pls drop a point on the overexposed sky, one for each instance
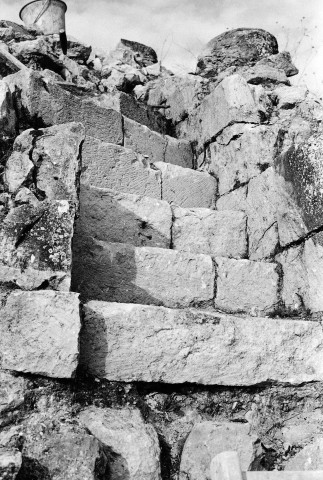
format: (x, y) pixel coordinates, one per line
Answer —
(178, 29)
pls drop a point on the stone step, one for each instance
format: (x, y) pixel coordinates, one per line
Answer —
(42, 103)
(157, 147)
(107, 165)
(118, 272)
(142, 221)
(126, 342)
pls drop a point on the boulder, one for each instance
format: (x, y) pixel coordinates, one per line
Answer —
(107, 165)
(239, 47)
(201, 230)
(186, 188)
(141, 343)
(208, 439)
(289, 97)
(122, 217)
(132, 53)
(226, 157)
(131, 445)
(246, 287)
(62, 453)
(232, 101)
(280, 61)
(118, 272)
(39, 333)
(10, 463)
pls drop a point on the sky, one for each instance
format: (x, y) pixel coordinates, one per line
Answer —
(178, 29)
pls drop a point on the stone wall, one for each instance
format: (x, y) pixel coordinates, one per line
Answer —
(161, 261)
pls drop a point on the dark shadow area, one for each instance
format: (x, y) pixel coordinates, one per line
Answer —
(32, 469)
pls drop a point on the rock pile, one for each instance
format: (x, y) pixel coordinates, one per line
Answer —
(161, 269)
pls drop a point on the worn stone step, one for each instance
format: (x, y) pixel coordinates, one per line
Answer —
(157, 147)
(202, 230)
(122, 273)
(122, 217)
(106, 165)
(124, 342)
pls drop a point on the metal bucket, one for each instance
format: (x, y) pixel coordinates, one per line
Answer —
(49, 16)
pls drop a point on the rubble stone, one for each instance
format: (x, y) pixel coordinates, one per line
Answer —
(208, 439)
(140, 343)
(132, 444)
(39, 333)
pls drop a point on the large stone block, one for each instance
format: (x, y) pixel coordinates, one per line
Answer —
(123, 342)
(187, 188)
(201, 230)
(208, 439)
(232, 101)
(179, 152)
(122, 217)
(235, 200)
(240, 153)
(302, 267)
(274, 217)
(141, 139)
(122, 273)
(39, 333)
(133, 444)
(107, 165)
(246, 287)
(42, 103)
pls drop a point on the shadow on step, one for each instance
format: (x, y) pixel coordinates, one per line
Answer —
(107, 231)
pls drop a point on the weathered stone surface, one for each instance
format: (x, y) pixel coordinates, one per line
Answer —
(132, 444)
(246, 287)
(179, 152)
(12, 396)
(120, 217)
(239, 47)
(197, 347)
(302, 268)
(208, 439)
(264, 75)
(7, 112)
(140, 139)
(235, 200)
(18, 169)
(273, 215)
(230, 102)
(289, 97)
(187, 188)
(240, 153)
(130, 108)
(36, 245)
(280, 61)
(44, 103)
(10, 463)
(302, 429)
(13, 31)
(111, 166)
(310, 458)
(201, 230)
(133, 53)
(123, 273)
(181, 93)
(39, 333)
(63, 454)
